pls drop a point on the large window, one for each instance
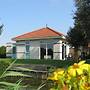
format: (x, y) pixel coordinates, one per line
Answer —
(27, 51)
(43, 51)
(50, 51)
(14, 51)
(46, 51)
(27, 42)
(27, 48)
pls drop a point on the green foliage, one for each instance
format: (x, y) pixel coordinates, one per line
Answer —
(2, 52)
(1, 28)
(75, 77)
(79, 35)
(3, 65)
(6, 85)
(76, 37)
(56, 63)
(82, 16)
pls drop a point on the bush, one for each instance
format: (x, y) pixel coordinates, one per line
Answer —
(3, 65)
(56, 63)
(2, 52)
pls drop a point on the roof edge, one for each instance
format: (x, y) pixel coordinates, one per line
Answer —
(58, 37)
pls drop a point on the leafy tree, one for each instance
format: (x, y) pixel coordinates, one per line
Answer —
(82, 16)
(79, 35)
(3, 48)
(76, 37)
(1, 28)
(2, 52)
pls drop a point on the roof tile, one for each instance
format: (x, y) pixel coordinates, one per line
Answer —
(41, 33)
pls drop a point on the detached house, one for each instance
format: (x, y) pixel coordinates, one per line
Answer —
(44, 43)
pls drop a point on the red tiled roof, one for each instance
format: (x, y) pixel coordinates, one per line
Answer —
(41, 33)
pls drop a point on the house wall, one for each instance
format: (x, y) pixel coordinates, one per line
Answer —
(34, 49)
(9, 49)
(20, 51)
(57, 50)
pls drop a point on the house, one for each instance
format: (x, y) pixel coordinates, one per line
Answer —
(44, 43)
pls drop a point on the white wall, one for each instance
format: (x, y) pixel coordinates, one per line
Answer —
(67, 49)
(35, 50)
(20, 51)
(9, 48)
(57, 49)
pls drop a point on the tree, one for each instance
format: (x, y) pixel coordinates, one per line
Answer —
(1, 28)
(76, 37)
(2, 52)
(82, 16)
(79, 35)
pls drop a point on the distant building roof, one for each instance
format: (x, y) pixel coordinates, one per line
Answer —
(39, 34)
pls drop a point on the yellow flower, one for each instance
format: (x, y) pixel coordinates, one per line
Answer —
(77, 68)
(56, 75)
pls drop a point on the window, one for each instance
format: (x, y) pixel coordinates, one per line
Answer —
(27, 52)
(27, 42)
(43, 50)
(63, 51)
(27, 48)
(14, 50)
(50, 50)
(46, 51)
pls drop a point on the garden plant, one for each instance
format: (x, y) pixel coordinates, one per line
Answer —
(75, 77)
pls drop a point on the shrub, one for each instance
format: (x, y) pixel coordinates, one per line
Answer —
(2, 52)
(3, 65)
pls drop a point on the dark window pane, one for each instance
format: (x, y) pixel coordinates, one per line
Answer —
(43, 50)
(27, 48)
(27, 42)
(14, 50)
(50, 50)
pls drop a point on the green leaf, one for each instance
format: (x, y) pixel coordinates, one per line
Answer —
(13, 73)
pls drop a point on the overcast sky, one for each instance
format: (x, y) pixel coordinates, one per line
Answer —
(21, 16)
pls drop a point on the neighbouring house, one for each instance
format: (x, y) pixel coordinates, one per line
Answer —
(44, 43)
(11, 50)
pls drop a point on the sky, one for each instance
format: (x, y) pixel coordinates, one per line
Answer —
(22, 16)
